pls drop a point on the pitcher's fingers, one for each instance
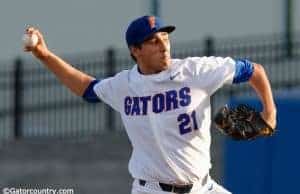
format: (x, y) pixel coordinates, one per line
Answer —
(40, 36)
(26, 49)
(38, 33)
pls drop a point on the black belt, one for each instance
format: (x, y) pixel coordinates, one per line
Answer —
(171, 188)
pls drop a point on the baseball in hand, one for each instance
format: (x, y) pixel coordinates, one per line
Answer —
(30, 40)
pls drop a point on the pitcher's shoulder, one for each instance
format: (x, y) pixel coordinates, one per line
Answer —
(190, 60)
(188, 64)
(123, 73)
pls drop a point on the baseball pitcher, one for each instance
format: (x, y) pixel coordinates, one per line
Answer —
(165, 105)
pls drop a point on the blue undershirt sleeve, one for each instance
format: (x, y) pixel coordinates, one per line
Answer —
(89, 94)
(243, 71)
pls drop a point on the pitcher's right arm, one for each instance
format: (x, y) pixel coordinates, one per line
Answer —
(77, 81)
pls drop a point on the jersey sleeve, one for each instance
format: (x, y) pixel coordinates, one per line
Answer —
(243, 71)
(214, 72)
(89, 94)
(107, 91)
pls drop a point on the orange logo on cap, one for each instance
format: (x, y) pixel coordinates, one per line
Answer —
(151, 21)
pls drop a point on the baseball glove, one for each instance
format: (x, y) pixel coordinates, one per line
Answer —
(242, 123)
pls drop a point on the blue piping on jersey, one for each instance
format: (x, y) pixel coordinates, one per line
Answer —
(89, 93)
(243, 71)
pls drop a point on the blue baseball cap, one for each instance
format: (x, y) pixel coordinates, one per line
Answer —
(143, 27)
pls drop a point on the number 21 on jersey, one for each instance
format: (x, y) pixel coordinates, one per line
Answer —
(187, 122)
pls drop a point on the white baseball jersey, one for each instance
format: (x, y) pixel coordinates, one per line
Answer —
(167, 116)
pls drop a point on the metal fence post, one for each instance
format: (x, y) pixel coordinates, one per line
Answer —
(209, 45)
(209, 50)
(155, 7)
(289, 28)
(18, 98)
(110, 71)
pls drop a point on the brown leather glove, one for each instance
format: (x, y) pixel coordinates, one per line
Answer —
(242, 123)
